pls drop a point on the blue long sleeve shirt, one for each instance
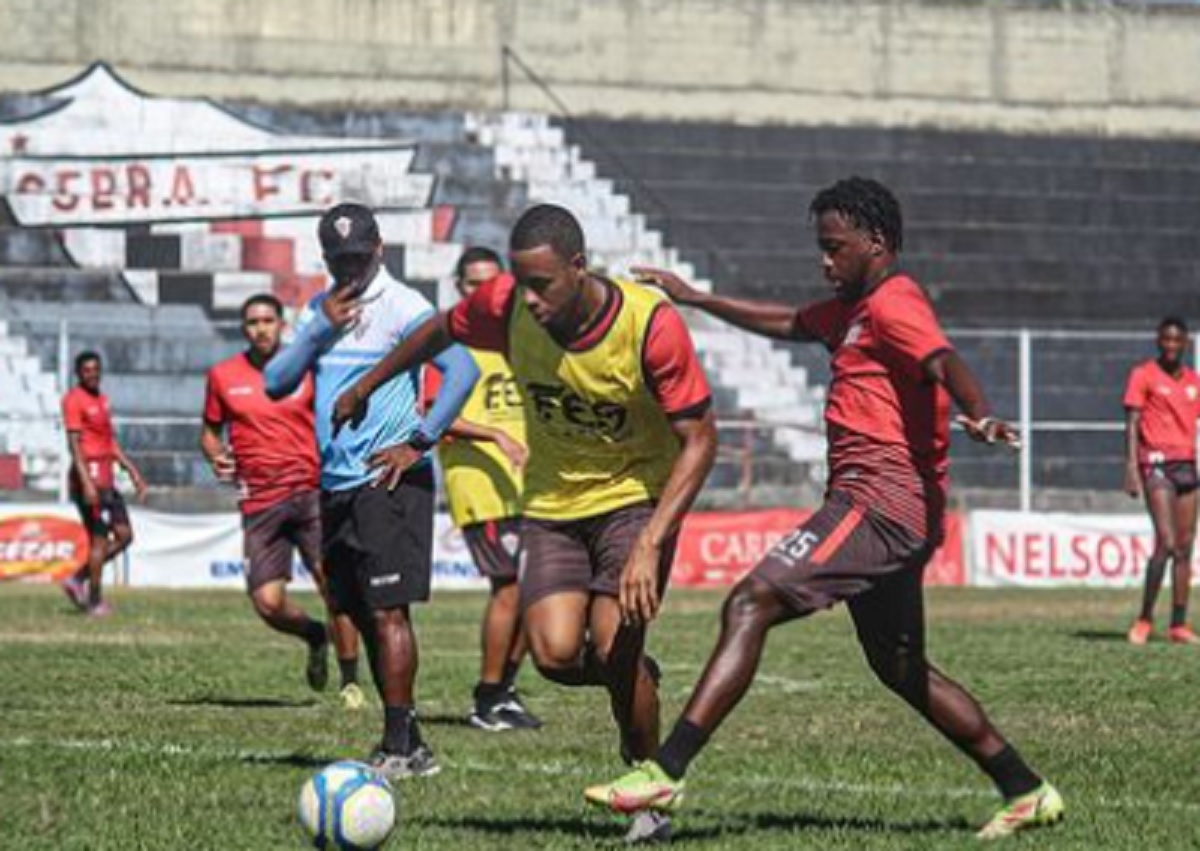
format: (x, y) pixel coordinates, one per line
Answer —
(391, 311)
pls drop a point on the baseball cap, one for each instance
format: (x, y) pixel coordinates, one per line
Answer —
(348, 229)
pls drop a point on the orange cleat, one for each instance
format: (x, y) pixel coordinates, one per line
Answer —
(1140, 632)
(1182, 634)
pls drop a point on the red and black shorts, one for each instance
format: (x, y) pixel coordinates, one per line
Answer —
(272, 535)
(1178, 476)
(839, 554)
(495, 546)
(100, 519)
(585, 555)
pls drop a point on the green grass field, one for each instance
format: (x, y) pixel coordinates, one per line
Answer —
(182, 723)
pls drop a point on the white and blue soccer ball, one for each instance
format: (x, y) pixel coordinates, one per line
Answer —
(347, 806)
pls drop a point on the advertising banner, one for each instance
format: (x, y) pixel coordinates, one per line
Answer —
(1031, 550)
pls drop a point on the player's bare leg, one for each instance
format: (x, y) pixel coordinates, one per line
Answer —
(403, 752)
(272, 604)
(1160, 502)
(633, 692)
(556, 627)
(97, 558)
(1181, 576)
(345, 641)
(497, 705)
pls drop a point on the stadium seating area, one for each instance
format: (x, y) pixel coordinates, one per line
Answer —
(1007, 232)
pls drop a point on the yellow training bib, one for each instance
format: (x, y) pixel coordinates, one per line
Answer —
(480, 482)
(598, 440)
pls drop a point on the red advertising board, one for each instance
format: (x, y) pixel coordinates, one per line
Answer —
(40, 546)
(717, 548)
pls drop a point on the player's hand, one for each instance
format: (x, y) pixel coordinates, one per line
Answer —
(991, 431)
(680, 291)
(515, 451)
(224, 467)
(91, 496)
(391, 464)
(351, 407)
(139, 486)
(638, 595)
(1133, 481)
(342, 307)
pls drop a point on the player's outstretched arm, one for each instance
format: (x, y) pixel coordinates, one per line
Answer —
(949, 370)
(1133, 480)
(697, 436)
(777, 321)
(459, 374)
(430, 339)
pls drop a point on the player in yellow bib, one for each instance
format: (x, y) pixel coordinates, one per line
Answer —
(483, 461)
(621, 436)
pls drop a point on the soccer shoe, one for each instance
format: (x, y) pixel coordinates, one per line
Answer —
(100, 610)
(648, 828)
(352, 697)
(317, 669)
(394, 766)
(76, 592)
(1040, 808)
(647, 787)
(1140, 632)
(506, 713)
(1182, 634)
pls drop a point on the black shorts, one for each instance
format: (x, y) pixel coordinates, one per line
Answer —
(273, 534)
(585, 555)
(110, 512)
(840, 553)
(1179, 476)
(378, 544)
(495, 547)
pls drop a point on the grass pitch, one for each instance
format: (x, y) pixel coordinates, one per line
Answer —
(182, 723)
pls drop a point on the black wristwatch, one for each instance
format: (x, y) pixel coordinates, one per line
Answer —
(421, 443)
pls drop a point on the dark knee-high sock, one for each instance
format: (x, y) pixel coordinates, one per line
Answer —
(1156, 567)
(1010, 773)
(681, 747)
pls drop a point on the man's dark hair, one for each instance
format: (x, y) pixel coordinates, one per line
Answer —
(548, 224)
(475, 254)
(86, 357)
(1173, 322)
(262, 298)
(866, 204)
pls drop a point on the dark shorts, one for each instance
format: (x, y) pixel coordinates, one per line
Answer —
(100, 520)
(271, 536)
(1179, 476)
(378, 544)
(840, 553)
(585, 555)
(495, 546)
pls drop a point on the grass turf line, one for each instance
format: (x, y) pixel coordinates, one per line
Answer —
(182, 722)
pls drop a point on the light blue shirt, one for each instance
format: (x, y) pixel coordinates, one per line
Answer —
(391, 311)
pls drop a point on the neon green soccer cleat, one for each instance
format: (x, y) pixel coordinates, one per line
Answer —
(647, 787)
(352, 697)
(1040, 808)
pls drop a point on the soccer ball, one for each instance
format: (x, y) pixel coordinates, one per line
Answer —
(346, 806)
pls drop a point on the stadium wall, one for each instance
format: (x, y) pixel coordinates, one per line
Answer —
(1089, 66)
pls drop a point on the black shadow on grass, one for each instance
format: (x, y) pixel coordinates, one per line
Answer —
(243, 702)
(291, 760)
(1099, 635)
(728, 824)
(444, 720)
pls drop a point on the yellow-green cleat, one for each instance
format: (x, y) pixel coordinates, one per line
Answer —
(647, 787)
(1040, 808)
(352, 697)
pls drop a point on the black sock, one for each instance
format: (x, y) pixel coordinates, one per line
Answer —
(681, 747)
(400, 732)
(1155, 569)
(349, 670)
(1178, 615)
(94, 595)
(489, 692)
(510, 674)
(315, 634)
(1010, 773)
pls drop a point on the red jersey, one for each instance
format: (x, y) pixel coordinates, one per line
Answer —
(888, 425)
(274, 443)
(669, 363)
(1169, 406)
(89, 415)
